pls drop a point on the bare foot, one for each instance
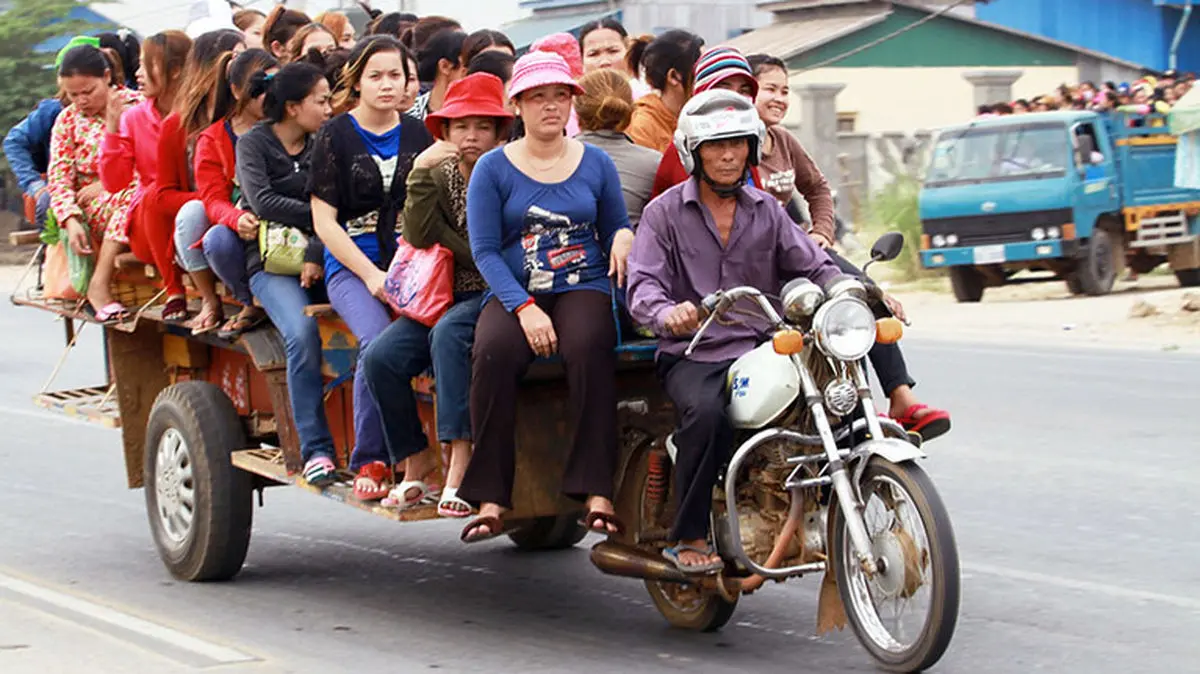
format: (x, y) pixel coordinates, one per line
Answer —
(601, 505)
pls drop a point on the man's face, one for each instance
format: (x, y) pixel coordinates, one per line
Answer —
(724, 161)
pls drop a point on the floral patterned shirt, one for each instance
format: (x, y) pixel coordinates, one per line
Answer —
(75, 156)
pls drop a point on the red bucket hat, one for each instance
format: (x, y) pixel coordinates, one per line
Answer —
(476, 95)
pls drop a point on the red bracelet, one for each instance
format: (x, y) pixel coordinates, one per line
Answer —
(525, 305)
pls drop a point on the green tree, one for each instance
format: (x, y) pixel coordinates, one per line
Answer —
(26, 75)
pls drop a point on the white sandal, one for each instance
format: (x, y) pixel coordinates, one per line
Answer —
(449, 500)
(426, 495)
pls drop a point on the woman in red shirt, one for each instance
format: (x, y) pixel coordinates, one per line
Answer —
(216, 184)
(174, 219)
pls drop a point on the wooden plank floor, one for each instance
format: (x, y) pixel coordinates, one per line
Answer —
(268, 462)
(96, 404)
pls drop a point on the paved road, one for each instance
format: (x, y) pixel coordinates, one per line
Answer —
(1068, 477)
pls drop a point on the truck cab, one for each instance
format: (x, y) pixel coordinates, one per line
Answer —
(1073, 193)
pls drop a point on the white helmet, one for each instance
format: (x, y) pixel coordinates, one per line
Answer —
(718, 114)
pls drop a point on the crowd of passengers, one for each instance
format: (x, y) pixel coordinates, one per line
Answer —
(648, 171)
(1148, 95)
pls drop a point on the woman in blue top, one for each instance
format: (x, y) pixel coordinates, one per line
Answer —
(548, 228)
(360, 164)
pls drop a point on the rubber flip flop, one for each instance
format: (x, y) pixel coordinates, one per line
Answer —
(589, 523)
(672, 555)
(493, 523)
(932, 425)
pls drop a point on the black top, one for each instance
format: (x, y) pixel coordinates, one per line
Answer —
(346, 177)
(275, 185)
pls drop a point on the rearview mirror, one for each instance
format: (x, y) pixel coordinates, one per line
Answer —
(887, 247)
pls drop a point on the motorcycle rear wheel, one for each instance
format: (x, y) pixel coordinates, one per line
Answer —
(916, 541)
(683, 606)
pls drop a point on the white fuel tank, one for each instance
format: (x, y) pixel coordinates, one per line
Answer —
(762, 385)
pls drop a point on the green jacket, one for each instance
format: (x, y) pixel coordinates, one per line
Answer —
(430, 214)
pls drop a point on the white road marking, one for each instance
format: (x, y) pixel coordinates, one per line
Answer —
(215, 653)
(1178, 601)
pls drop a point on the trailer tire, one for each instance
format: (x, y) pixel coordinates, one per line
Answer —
(199, 505)
(1188, 278)
(1103, 257)
(549, 533)
(967, 283)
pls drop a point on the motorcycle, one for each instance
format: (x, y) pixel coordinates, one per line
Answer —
(817, 482)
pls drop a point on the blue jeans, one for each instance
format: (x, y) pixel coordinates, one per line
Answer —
(367, 318)
(404, 351)
(284, 301)
(226, 256)
(191, 223)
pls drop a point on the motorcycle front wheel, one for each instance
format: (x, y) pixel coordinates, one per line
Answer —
(905, 614)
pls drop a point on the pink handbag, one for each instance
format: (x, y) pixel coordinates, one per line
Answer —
(420, 282)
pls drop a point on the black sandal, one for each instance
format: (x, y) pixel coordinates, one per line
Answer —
(494, 524)
(175, 310)
(606, 520)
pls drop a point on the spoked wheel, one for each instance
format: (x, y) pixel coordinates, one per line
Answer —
(906, 613)
(684, 606)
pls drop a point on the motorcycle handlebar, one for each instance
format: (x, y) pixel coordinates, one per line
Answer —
(717, 303)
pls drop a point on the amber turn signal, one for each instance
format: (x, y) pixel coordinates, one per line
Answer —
(887, 330)
(788, 342)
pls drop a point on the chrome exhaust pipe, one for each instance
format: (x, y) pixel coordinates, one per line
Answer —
(621, 560)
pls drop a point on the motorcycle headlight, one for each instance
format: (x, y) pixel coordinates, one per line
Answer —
(801, 297)
(845, 328)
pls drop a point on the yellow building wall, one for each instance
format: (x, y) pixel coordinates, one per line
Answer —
(912, 99)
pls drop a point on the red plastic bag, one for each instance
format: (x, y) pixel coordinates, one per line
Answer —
(420, 282)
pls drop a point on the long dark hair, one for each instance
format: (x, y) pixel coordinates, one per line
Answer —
(88, 60)
(345, 97)
(446, 45)
(128, 52)
(236, 88)
(200, 94)
(676, 50)
(292, 84)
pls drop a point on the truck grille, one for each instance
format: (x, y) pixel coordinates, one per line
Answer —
(977, 230)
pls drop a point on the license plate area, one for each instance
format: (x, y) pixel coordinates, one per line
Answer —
(989, 254)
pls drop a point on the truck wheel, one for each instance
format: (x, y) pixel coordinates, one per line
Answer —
(200, 506)
(967, 283)
(1188, 278)
(1103, 257)
(550, 533)
(1074, 284)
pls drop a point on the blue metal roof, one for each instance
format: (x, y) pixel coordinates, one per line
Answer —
(1139, 31)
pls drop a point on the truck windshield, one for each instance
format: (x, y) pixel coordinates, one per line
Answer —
(998, 153)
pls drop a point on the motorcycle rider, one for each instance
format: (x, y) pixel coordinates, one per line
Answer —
(711, 232)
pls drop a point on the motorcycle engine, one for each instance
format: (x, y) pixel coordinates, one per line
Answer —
(763, 506)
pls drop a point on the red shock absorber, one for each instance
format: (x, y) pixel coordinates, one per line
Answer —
(656, 481)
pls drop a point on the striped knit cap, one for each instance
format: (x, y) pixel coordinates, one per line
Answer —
(719, 64)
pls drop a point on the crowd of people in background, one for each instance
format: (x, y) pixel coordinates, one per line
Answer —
(1148, 95)
(288, 158)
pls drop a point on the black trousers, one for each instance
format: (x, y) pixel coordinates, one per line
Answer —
(887, 358)
(703, 440)
(587, 340)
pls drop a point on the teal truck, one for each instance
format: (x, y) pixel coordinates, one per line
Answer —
(1076, 194)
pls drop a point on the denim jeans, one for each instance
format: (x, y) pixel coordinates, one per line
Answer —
(226, 256)
(366, 317)
(284, 301)
(405, 350)
(191, 223)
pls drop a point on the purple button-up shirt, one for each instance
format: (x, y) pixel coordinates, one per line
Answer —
(678, 257)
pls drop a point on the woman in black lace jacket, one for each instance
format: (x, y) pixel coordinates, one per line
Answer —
(361, 160)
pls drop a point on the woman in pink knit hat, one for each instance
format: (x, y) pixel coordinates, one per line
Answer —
(549, 233)
(566, 46)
